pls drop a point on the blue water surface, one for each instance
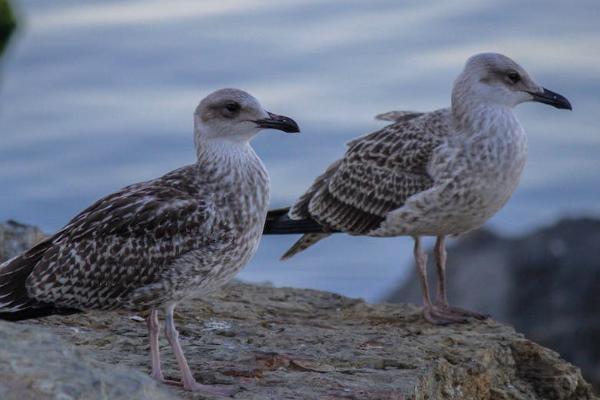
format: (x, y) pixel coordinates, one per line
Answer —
(96, 95)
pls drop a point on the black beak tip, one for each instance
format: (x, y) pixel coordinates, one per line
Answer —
(567, 105)
(553, 99)
(560, 101)
(279, 122)
(292, 126)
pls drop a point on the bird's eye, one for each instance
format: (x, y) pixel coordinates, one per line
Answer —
(232, 107)
(513, 76)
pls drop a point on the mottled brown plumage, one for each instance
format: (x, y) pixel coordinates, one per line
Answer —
(155, 243)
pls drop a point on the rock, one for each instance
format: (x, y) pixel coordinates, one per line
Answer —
(37, 364)
(546, 284)
(284, 343)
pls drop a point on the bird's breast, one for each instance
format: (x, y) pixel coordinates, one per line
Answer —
(244, 199)
(482, 176)
(241, 199)
(471, 183)
(474, 175)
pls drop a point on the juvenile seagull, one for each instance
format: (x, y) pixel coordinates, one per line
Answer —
(152, 244)
(429, 174)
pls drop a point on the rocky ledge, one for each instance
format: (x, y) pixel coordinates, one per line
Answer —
(283, 343)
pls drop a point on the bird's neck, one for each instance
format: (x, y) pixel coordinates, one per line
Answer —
(236, 176)
(475, 118)
(225, 154)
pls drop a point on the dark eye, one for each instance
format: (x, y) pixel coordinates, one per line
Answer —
(232, 107)
(513, 76)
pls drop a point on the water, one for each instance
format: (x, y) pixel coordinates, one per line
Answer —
(100, 94)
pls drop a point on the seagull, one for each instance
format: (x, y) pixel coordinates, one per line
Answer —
(438, 173)
(152, 244)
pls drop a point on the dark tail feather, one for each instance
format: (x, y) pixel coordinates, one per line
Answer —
(29, 313)
(15, 303)
(278, 223)
(304, 243)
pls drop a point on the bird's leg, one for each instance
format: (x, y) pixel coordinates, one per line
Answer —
(441, 301)
(440, 262)
(187, 379)
(153, 330)
(421, 262)
(432, 312)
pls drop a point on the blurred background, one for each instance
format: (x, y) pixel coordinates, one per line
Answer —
(95, 95)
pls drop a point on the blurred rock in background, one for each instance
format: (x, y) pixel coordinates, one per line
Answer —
(15, 238)
(546, 284)
(8, 24)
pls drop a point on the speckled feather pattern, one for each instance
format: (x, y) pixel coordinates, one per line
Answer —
(376, 175)
(159, 241)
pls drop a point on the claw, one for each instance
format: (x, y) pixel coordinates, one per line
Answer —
(439, 314)
(170, 382)
(213, 390)
(467, 313)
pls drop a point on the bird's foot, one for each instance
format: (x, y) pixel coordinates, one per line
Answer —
(441, 314)
(466, 313)
(160, 378)
(171, 382)
(211, 390)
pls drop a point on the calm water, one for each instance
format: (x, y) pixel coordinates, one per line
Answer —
(100, 94)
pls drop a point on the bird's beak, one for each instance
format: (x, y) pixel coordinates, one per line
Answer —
(549, 97)
(278, 122)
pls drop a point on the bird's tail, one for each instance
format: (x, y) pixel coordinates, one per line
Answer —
(304, 243)
(15, 302)
(279, 223)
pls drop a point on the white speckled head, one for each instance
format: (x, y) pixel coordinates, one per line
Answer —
(235, 115)
(496, 80)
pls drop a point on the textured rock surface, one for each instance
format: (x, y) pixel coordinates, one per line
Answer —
(36, 364)
(546, 284)
(282, 343)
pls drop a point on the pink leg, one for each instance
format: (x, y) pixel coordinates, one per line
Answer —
(442, 298)
(440, 258)
(421, 262)
(432, 312)
(188, 380)
(153, 330)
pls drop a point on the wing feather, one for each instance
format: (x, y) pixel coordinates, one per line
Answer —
(398, 116)
(121, 243)
(378, 173)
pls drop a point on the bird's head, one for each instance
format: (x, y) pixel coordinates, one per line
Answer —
(494, 79)
(235, 115)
